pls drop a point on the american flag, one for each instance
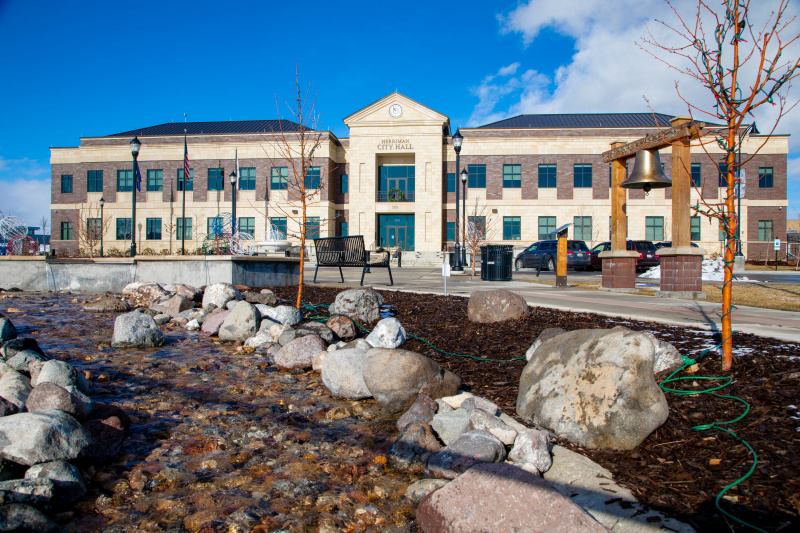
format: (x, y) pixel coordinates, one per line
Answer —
(186, 173)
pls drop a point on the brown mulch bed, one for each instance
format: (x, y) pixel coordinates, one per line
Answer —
(676, 469)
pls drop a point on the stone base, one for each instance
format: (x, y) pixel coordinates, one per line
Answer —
(684, 295)
(619, 270)
(628, 289)
(681, 273)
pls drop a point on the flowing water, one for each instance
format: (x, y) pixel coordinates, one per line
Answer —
(220, 440)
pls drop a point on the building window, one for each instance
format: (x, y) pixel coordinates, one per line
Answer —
(216, 179)
(547, 225)
(123, 229)
(694, 228)
(189, 182)
(312, 178)
(124, 180)
(765, 177)
(723, 174)
(279, 223)
(582, 228)
(66, 231)
(476, 228)
(511, 229)
(66, 183)
(312, 227)
(215, 225)
(583, 175)
(395, 178)
(94, 228)
(184, 228)
(279, 179)
(153, 229)
(342, 229)
(654, 228)
(247, 179)
(344, 183)
(155, 180)
(697, 175)
(451, 232)
(94, 181)
(512, 176)
(247, 225)
(451, 182)
(547, 176)
(765, 230)
(477, 176)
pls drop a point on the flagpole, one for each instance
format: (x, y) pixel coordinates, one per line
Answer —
(183, 208)
(135, 145)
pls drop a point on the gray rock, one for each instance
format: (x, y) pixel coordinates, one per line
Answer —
(162, 319)
(546, 334)
(283, 314)
(358, 344)
(66, 477)
(143, 293)
(480, 419)
(189, 292)
(362, 303)
(21, 360)
(419, 489)
(414, 446)
(444, 407)
(230, 305)
(198, 314)
(489, 306)
(595, 388)
(214, 321)
(136, 330)
(31, 438)
(107, 304)
(267, 298)
(22, 518)
(396, 377)
(220, 294)
(192, 325)
(476, 402)
(388, 333)
(173, 306)
(287, 336)
(422, 410)
(64, 374)
(667, 357)
(315, 328)
(532, 447)
(14, 387)
(342, 374)
(7, 330)
(469, 449)
(299, 353)
(242, 322)
(10, 348)
(262, 339)
(7, 408)
(448, 425)
(502, 497)
(46, 396)
(27, 491)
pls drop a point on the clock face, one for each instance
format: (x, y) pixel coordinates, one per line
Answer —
(395, 110)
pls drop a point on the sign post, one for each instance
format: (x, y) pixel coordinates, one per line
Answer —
(445, 273)
(777, 249)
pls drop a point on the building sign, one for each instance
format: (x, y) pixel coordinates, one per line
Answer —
(395, 144)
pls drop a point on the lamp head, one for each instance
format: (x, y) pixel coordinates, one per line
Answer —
(102, 202)
(457, 140)
(233, 177)
(135, 145)
(464, 175)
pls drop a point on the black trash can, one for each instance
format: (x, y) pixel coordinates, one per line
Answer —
(496, 262)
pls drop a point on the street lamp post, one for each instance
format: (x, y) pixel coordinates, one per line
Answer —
(135, 145)
(233, 201)
(464, 175)
(140, 233)
(749, 129)
(457, 140)
(102, 225)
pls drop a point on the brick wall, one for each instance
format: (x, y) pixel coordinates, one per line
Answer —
(756, 250)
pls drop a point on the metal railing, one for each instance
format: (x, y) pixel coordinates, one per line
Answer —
(383, 196)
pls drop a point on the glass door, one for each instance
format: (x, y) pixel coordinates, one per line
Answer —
(396, 231)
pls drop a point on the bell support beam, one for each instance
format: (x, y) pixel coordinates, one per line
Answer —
(619, 264)
(660, 140)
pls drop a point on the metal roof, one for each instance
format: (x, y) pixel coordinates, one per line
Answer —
(214, 128)
(583, 120)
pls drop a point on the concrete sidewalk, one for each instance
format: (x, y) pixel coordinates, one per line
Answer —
(783, 325)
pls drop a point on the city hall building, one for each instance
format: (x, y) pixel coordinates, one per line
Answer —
(393, 180)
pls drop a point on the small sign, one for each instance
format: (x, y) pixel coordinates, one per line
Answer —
(446, 269)
(777, 244)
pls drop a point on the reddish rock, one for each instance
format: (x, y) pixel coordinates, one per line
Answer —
(189, 292)
(143, 293)
(51, 396)
(299, 353)
(342, 327)
(214, 321)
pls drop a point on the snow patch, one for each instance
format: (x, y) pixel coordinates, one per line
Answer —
(712, 270)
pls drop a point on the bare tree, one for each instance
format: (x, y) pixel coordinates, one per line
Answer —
(743, 66)
(479, 229)
(44, 223)
(88, 228)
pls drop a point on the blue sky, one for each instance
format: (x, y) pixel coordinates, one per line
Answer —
(95, 67)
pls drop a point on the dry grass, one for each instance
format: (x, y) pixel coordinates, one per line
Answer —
(765, 295)
(771, 267)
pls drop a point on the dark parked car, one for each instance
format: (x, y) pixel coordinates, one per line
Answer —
(648, 254)
(668, 244)
(533, 255)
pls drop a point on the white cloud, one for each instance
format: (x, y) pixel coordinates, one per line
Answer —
(25, 185)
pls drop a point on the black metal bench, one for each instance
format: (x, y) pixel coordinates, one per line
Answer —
(348, 252)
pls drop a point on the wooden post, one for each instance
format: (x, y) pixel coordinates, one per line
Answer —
(619, 264)
(681, 188)
(561, 260)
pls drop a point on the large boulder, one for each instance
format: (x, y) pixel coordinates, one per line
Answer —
(342, 374)
(65, 476)
(388, 333)
(241, 323)
(545, 335)
(136, 330)
(10, 348)
(22, 360)
(63, 374)
(486, 307)
(7, 330)
(143, 293)
(189, 292)
(362, 303)
(46, 396)
(594, 387)
(172, 306)
(396, 377)
(214, 321)
(107, 304)
(264, 298)
(28, 491)
(14, 387)
(501, 497)
(283, 314)
(471, 448)
(220, 294)
(299, 353)
(25, 518)
(32, 438)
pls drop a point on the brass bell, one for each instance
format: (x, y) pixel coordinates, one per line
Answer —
(647, 173)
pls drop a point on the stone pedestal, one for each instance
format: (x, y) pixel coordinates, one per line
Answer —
(738, 264)
(619, 270)
(681, 272)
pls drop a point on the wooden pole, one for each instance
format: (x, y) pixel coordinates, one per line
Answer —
(619, 199)
(681, 188)
(561, 260)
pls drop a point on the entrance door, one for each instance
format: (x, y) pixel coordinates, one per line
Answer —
(396, 230)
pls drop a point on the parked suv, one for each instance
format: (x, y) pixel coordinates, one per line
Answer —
(648, 254)
(533, 255)
(668, 244)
